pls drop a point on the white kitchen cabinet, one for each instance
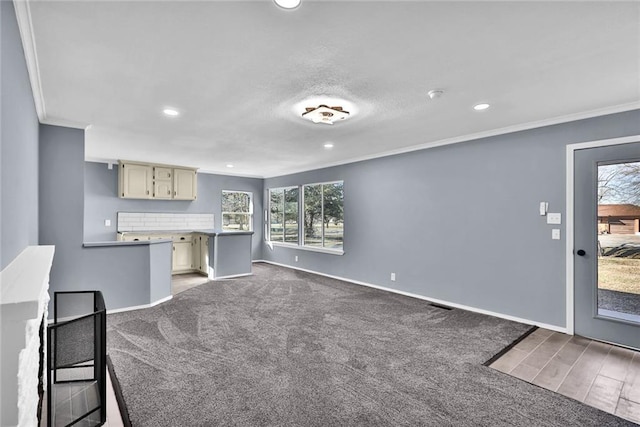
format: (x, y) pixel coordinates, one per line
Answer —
(184, 184)
(204, 254)
(195, 251)
(162, 183)
(135, 181)
(182, 256)
(201, 253)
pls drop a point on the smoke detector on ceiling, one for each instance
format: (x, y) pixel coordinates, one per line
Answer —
(325, 114)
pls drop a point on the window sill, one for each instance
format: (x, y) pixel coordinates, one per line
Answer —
(306, 248)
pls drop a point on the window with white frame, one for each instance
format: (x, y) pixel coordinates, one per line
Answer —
(237, 210)
(323, 215)
(283, 215)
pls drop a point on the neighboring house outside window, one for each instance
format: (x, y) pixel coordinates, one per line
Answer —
(237, 211)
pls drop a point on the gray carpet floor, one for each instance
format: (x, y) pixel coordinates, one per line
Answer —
(286, 348)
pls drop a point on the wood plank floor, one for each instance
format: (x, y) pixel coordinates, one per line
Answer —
(597, 374)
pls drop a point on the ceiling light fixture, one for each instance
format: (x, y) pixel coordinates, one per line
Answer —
(480, 107)
(328, 145)
(288, 4)
(229, 165)
(170, 112)
(325, 114)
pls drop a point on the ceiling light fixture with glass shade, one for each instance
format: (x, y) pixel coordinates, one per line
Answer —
(325, 109)
(325, 114)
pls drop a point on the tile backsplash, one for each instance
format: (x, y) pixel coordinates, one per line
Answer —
(145, 221)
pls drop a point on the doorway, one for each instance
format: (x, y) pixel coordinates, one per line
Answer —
(605, 251)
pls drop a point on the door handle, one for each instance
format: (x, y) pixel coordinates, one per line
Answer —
(581, 252)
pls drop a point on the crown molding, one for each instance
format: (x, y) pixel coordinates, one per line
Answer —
(25, 25)
(479, 135)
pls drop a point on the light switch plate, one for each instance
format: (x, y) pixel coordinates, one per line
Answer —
(555, 234)
(107, 223)
(544, 206)
(554, 218)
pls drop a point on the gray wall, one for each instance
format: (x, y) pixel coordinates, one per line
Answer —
(102, 202)
(122, 273)
(460, 223)
(18, 144)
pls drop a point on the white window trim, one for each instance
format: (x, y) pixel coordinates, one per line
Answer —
(267, 236)
(308, 248)
(300, 245)
(250, 213)
(313, 248)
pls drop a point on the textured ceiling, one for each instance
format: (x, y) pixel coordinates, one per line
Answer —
(237, 69)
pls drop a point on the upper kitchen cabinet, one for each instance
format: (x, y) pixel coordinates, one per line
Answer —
(159, 182)
(162, 182)
(135, 181)
(185, 184)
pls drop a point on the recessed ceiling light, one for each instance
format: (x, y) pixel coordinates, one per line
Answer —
(480, 107)
(328, 145)
(229, 165)
(170, 112)
(288, 4)
(435, 93)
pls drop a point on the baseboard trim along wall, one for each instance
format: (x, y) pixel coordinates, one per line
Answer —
(139, 307)
(433, 300)
(235, 275)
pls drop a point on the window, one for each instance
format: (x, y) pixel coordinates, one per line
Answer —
(237, 211)
(315, 210)
(324, 215)
(283, 215)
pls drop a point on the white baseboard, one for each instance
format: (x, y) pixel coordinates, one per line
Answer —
(140, 307)
(233, 276)
(434, 300)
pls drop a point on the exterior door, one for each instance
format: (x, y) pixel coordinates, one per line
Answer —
(606, 258)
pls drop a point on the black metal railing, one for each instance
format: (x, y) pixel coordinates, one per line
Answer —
(76, 360)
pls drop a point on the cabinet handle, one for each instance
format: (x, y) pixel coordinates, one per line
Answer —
(147, 192)
(168, 192)
(174, 248)
(175, 193)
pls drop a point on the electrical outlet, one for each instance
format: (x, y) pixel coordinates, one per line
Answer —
(393, 277)
(554, 218)
(296, 258)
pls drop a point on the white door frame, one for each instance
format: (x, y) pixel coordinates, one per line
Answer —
(571, 148)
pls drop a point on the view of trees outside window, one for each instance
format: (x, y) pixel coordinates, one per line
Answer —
(283, 215)
(291, 215)
(619, 240)
(324, 215)
(237, 211)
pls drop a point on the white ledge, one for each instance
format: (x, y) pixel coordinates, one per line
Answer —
(23, 279)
